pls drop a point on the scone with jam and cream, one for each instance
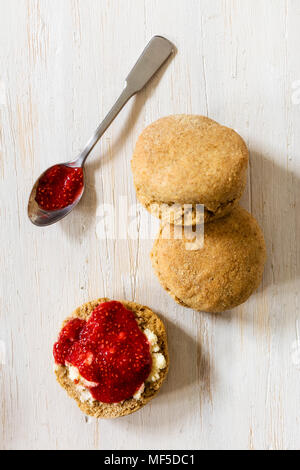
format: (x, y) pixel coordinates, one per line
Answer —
(111, 357)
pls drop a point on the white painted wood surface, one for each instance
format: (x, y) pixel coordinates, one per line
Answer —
(234, 381)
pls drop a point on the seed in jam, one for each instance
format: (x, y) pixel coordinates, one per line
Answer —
(109, 349)
(59, 187)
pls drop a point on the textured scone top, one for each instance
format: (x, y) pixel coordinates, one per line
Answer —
(189, 159)
(222, 274)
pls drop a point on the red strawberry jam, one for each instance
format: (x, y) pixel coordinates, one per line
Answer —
(59, 187)
(109, 350)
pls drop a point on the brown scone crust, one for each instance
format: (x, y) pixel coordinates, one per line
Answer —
(222, 274)
(190, 159)
(146, 319)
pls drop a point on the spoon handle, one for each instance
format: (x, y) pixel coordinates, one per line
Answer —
(153, 57)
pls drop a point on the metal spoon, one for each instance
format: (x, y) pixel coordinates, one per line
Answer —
(153, 57)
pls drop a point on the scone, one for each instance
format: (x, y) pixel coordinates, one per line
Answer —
(223, 273)
(111, 357)
(189, 160)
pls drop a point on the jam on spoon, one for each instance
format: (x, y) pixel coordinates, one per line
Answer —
(109, 350)
(59, 187)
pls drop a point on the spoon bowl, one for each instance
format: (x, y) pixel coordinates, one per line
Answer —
(43, 218)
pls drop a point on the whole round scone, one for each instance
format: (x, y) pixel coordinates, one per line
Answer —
(80, 341)
(189, 160)
(223, 273)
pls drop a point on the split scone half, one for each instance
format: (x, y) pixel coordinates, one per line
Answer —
(111, 357)
(222, 273)
(183, 161)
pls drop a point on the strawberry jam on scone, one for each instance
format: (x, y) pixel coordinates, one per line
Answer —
(110, 352)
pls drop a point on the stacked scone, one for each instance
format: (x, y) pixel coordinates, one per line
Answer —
(180, 164)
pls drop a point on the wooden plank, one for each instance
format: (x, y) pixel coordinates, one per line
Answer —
(234, 380)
